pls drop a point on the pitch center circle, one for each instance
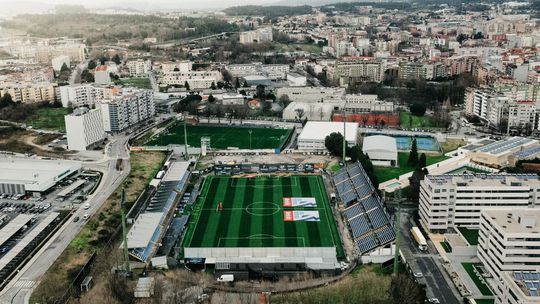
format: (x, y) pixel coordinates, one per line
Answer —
(262, 208)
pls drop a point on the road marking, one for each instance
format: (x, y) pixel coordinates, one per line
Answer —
(24, 284)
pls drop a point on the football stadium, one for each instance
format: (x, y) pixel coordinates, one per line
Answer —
(264, 224)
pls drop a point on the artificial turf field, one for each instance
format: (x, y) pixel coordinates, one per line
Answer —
(253, 214)
(224, 137)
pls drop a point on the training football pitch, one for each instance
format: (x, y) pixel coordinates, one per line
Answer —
(253, 213)
(222, 137)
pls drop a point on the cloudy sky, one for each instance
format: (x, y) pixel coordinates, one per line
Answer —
(158, 4)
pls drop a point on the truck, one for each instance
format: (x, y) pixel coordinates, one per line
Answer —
(226, 278)
(419, 238)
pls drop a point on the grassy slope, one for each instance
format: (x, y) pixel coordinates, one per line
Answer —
(367, 285)
(48, 119)
(55, 281)
(223, 137)
(388, 173)
(233, 227)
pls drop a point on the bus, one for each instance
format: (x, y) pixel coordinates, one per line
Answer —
(419, 238)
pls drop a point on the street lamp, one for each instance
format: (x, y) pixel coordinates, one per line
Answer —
(250, 131)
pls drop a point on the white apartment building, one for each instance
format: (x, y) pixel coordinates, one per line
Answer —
(232, 99)
(29, 92)
(78, 95)
(354, 70)
(44, 51)
(126, 109)
(312, 94)
(271, 71)
(509, 248)
(197, 80)
(139, 67)
(84, 128)
(58, 62)
(177, 66)
(259, 35)
(448, 201)
(102, 75)
(296, 80)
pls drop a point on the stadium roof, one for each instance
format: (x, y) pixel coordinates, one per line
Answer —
(176, 171)
(35, 174)
(318, 130)
(379, 143)
(142, 230)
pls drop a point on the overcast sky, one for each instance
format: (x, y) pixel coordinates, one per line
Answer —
(158, 4)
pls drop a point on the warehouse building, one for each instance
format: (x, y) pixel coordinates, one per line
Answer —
(500, 153)
(509, 248)
(449, 201)
(382, 150)
(314, 134)
(33, 176)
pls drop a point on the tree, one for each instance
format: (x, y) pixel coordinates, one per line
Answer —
(92, 64)
(117, 59)
(403, 290)
(414, 183)
(246, 84)
(64, 68)
(334, 143)
(211, 98)
(413, 155)
(418, 109)
(422, 162)
(213, 86)
(6, 101)
(237, 83)
(186, 85)
(260, 91)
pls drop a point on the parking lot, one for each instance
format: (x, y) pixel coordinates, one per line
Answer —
(25, 221)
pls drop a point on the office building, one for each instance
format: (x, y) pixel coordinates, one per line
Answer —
(449, 201)
(509, 249)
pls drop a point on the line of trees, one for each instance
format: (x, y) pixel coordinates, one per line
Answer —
(334, 145)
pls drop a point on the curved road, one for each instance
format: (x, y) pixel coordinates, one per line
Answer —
(19, 289)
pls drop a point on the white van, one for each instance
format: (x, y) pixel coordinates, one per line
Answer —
(226, 278)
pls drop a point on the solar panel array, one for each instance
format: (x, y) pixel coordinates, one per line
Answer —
(527, 152)
(368, 221)
(529, 280)
(505, 145)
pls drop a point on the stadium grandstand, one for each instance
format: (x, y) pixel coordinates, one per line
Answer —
(370, 119)
(367, 219)
(145, 235)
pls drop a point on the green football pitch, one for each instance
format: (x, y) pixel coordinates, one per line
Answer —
(224, 137)
(253, 214)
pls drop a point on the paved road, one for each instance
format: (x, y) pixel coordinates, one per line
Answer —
(19, 289)
(438, 284)
(75, 76)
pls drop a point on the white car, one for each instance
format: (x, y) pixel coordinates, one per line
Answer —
(434, 301)
(85, 217)
(86, 206)
(418, 275)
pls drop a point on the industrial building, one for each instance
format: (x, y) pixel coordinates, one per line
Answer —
(382, 150)
(84, 129)
(509, 248)
(314, 134)
(449, 201)
(499, 154)
(33, 176)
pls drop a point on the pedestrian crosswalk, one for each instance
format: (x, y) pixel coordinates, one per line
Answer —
(24, 284)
